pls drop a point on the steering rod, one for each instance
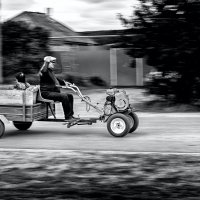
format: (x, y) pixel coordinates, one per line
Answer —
(76, 90)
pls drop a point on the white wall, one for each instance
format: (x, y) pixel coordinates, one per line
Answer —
(112, 65)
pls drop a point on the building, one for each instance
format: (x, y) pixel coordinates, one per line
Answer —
(80, 55)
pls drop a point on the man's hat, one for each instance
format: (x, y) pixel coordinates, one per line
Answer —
(49, 59)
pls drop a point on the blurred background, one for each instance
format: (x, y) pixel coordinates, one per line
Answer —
(153, 44)
(149, 47)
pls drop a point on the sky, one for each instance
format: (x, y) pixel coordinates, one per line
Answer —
(80, 15)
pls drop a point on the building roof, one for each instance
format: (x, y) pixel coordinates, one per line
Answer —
(59, 33)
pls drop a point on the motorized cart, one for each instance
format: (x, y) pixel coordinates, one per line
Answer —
(29, 107)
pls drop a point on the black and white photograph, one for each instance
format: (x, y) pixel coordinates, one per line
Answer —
(100, 99)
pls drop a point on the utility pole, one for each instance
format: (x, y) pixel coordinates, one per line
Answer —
(113, 67)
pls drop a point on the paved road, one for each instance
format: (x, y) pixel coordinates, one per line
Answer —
(176, 132)
(88, 172)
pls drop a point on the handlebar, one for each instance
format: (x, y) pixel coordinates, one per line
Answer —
(76, 89)
(73, 87)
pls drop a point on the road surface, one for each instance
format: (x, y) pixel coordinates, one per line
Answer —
(49, 161)
(157, 132)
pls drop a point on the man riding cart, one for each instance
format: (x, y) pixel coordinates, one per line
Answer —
(29, 107)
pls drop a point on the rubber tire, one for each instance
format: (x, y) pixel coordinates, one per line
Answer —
(135, 122)
(124, 118)
(22, 125)
(2, 129)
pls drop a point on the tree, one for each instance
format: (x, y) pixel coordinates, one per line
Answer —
(170, 42)
(23, 47)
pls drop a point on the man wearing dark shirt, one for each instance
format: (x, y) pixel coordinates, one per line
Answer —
(50, 90)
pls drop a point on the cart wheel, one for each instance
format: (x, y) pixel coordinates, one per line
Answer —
(22, 125)
(118, 125)
(2, 129)
(135, 122)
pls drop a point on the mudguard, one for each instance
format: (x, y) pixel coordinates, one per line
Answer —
(4, 119)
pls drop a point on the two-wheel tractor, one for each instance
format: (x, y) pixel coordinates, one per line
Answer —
(120, 124)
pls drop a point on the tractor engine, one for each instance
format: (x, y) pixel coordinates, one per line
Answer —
(116, 101)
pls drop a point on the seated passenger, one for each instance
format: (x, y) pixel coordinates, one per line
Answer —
(21, 83)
